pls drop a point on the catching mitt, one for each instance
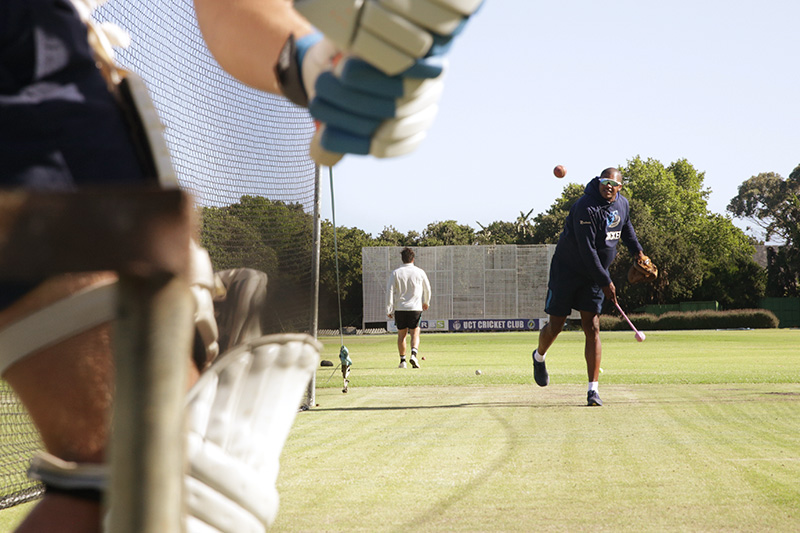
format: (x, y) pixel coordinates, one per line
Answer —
(642, 270)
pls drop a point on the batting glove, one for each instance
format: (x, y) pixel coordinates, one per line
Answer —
(391, 35)
(360, 109)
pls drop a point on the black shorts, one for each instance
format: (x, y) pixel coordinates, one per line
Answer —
(60, 127)
(407, 319)
(568, 290)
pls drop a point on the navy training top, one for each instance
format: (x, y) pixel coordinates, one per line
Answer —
(594, 226)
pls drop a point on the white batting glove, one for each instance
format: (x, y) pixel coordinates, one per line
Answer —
(391, 35)
(360, 109)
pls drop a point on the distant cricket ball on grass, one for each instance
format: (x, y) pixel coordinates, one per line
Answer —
(478, 372)
(560, 171)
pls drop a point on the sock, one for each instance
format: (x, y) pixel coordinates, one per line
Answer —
(413, 351)
(593, 385)
(538, 356)
(402, 357)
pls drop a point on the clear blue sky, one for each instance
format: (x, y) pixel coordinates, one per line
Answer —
(588, 85)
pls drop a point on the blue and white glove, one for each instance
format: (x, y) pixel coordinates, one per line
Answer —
(391, 35)
(360, 109)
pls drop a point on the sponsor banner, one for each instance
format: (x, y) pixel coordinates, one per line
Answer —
(496, 324)
(478, 324)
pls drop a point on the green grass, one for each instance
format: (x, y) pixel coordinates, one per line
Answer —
(699, 433)
(12, 517)
(665, 357)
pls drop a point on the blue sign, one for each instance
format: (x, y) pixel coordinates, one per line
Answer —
(495, 324)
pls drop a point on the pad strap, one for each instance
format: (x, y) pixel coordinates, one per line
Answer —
(46, 327)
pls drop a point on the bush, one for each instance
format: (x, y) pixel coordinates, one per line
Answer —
(611, 323)
(735, 319)
(617, 323)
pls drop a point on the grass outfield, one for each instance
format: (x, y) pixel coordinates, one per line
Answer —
(700, 432)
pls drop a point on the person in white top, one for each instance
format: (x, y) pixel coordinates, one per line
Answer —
(408, 294)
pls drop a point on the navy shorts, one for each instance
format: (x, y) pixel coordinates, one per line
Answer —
(407, 319)
(60, 127)
(568, 290)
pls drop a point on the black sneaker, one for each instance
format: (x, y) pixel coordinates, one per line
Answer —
(540, 374)
(593, 399)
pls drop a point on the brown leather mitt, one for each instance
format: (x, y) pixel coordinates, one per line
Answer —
(642, 270)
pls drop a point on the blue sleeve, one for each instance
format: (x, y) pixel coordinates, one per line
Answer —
(586, 227)
(629, 234)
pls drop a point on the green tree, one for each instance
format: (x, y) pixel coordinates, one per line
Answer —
(349, 242)
(548, 226)
(497, 232)
(447, 233)
(697, 252)
(391, 237)
(773, 205)
(234, 243)
(271, 236)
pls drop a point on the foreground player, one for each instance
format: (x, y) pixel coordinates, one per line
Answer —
(61, 130)
(408, 294)
(579, 277)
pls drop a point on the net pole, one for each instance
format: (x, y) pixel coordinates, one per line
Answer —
(336, 256)
(310, 399)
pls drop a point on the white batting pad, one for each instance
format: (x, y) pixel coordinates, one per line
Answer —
(239, 416)
(203, 286)
(153, 130)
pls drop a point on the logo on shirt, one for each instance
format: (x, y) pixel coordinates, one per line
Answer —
(613, 219)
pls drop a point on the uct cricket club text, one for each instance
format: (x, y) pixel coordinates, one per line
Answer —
(479, 324)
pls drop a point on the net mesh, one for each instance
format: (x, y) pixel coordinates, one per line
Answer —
(467, 282)
(241, 153)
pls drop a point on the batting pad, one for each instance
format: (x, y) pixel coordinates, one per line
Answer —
(97, 304)
(239, 415)
(57, 322)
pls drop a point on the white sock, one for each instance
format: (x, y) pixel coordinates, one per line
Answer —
(539, 356)
(593, 385)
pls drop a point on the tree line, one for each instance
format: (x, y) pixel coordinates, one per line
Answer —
(700, 255)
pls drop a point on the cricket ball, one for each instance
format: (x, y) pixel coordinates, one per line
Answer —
(560, 171)
(477, 372)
